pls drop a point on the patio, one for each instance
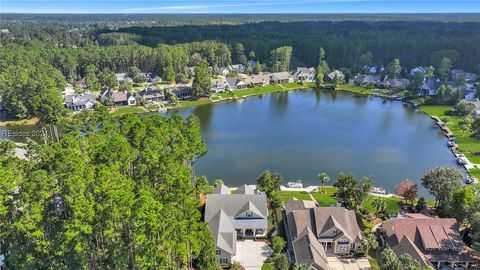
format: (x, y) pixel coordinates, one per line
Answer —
(337, 263)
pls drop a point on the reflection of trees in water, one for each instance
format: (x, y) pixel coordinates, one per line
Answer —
(204, 113)
(333, 94)
(318, 94)
(279, 101)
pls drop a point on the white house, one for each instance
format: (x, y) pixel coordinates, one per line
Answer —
(304, 74)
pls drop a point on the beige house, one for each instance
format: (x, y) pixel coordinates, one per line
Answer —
(335, 230)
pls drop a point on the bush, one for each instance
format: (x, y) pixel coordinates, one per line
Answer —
(278, 243)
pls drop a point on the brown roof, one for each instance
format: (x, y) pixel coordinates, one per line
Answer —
(434, 238)
(309, 251)
(339, 217)
(119, 96)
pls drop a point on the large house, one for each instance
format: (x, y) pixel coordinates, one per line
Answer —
(281, 77)
(151, 94)
(419, 69)
(236, 83)
(401, 83)
(181, 91)
(219, 85)
(304, 74)
(334, 229)
(330, 77)
(467, 76)
(366, 80)
(78, 102)
(257, 80)
(433, 242)
(123, 78)
(237, 68)
(430, 86)
(231, 216)
(118, 98)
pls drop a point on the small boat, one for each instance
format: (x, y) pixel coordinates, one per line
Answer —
(295, 184)
(469, 180)
(378, 190)
(451, 143)
(461, 160)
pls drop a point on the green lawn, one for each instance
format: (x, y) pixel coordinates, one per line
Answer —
(374, 264)
(467, 145)
(267, 266)
(197, 102)
(124, 110)
(271, 88)
(286, 195)
(359, 90)
(325, 199)
(393, 206)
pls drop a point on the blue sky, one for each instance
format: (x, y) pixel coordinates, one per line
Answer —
(239, 6)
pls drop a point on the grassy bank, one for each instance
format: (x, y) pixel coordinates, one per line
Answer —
(21, 122)
(127, 109)
(466, 144)
(360, 90)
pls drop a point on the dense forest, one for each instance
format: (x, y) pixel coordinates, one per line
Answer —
(120, 196)
(414, 43)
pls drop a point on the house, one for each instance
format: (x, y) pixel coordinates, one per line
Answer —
(257, 80)
(151, 94)
(330, 77)
(220, 85)
(236, 83)
(237, 68)
(418, 69)
(229, 216)
(118, 98)
(281, 77)
(366, 80)
(467, 76)
(123, 78)
(334, 229)
(373, 69)
(433, 242)
(430, 87)
(156, 79)
(477, 106)
(81, 83)
(304, 74)
(78, 102)
(181, 91)
(401, 83)
(224, 71)
(69, 90)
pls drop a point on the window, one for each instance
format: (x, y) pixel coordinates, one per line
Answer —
(223, 261)
(248, 214)
(334, 231)
(218, 251)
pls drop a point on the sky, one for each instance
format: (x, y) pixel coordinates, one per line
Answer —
(239, 6)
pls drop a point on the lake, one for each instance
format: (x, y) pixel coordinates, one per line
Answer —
(302, 133)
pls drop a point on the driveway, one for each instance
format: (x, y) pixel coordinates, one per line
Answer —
(336, 263)
(251, 254)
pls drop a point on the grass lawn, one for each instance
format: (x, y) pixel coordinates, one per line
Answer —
(286, 195)
(21, 122)
(374, 263)
(359, 90)
(393, 206)
(124, 110)
(197, 102)
(267, 266)
(467, 145)
(325, 199)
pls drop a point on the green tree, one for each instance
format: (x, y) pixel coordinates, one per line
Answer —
(351, 193)
(466, 123)
(218, 182)
(475, 128)
(394, 68)
(323, 177)
(169, 73)
(321, 55)
(269, 182)
(421, 205)
(442, 182)
(278, 244)
(465, 107)
(280, 58)
(379, 204)
(444, 69)
(258, 68)
(201, 86)
(251, 55)
(369, 241)
(279, 261)
(93, 82)
(430, 72)
(240, 54)
(107, 78)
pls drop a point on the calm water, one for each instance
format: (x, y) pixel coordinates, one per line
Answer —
(302, 133)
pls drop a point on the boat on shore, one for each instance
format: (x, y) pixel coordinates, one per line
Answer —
(295, 184)
(461, 159)
(378, 190)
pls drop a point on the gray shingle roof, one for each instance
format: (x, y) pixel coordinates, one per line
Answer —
(223, 232)
(309, 251)
(79, 99)
(344, 218)
(222, 189)
(245, 189)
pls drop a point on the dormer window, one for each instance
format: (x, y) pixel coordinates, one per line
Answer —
(248, 214)
(334, 231)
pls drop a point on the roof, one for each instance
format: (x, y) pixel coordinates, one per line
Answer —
(150, 92)
(309, 251)
(219, 83)
(222, 189)
(280, 76)
(234, 81)
(246, 189)
(433, 239)
(305, 70)
(80, 99)
(223, 232)
(337, 73)
(120, 96)
(256, 79)
(338, 217)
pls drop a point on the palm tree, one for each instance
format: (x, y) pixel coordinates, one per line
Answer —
(369, 241)
(301, 267)
(379, 204)
(323, 177)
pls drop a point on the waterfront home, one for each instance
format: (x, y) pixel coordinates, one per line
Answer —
(433, 242)
(281, 77)
(237, 68)
(330, 77)
(151, 94)
(243, 215)
(304, 74)
(257, 80)
(430, 87)
(181, 91)
(334, 229)
(78, 102)
(224, 71)
(418, 69)
(394, 84)
(219, 85)
(457, 74)
(366, 80)
(118, 98)
(372, 69)
(236, 83)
